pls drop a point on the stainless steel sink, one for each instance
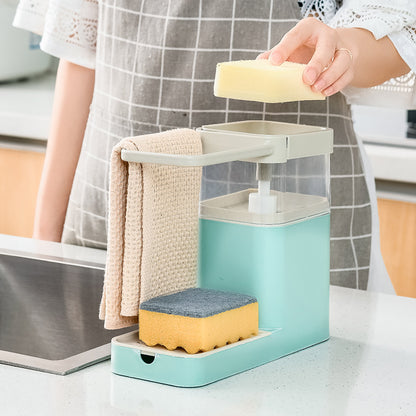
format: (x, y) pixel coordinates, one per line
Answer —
(49, 314)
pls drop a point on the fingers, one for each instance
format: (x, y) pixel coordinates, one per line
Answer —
(322, 57)
(315, 44)
(336, 76)
(339, 84)
(291, 41)
(263, 55)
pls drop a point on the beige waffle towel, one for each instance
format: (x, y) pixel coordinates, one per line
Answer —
(153, 226)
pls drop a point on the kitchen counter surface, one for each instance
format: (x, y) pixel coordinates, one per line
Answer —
(368, 367)
(383, 132)
(26, 107)
(48, 250)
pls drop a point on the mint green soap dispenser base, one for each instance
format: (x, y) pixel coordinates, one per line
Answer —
(286, 267)
(293, 312)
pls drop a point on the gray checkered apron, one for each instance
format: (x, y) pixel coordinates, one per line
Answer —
(155, 67)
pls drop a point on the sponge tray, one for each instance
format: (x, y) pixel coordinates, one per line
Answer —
(131, 340)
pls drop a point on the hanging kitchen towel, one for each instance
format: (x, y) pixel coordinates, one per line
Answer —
(153, 226)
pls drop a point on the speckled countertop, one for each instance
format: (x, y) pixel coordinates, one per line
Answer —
(368, 367)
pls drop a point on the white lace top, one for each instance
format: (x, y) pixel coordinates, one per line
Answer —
(69, 29)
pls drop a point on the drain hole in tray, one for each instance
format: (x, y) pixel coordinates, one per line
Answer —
(146, 358)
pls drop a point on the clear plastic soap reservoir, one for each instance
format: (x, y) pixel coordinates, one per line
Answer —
(267, 234)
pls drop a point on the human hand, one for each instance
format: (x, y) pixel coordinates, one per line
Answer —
(329, 59)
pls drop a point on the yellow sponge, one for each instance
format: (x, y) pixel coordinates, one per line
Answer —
(262, 81)
(198, 319)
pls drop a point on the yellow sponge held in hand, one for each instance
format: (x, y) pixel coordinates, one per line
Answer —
(198, 319)
(260, 80)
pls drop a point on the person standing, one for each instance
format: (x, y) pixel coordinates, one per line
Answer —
(131, 69)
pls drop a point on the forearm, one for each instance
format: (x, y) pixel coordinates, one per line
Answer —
(375, 61)
(73, 95)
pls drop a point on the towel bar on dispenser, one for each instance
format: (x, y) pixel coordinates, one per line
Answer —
(205, 159)
(252, 141)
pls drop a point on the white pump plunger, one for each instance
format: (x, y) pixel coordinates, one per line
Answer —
(262, 202)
